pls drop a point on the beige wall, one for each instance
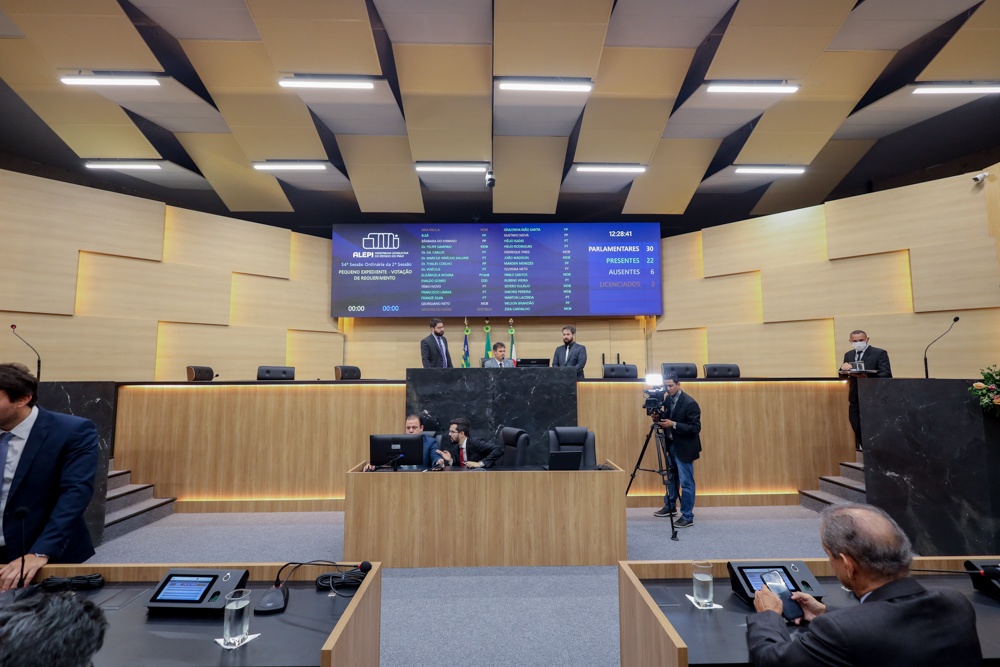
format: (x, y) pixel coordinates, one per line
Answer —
(110, 287)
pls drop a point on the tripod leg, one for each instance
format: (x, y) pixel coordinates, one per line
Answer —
(669, 475)
(639, 460)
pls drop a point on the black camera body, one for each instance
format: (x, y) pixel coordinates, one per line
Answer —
(654, 401)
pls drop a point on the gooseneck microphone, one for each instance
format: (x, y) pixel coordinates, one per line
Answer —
(21, 516)
(38, 373)
(990, 572)
(926, 372)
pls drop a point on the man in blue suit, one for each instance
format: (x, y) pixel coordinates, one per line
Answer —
(432, 455)
(49, 461)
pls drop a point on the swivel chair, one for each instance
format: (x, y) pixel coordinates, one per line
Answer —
(515, 443)
(722, 371)
(574, 439)
(682, 371)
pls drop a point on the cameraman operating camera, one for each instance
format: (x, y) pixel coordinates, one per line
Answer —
(680, 418)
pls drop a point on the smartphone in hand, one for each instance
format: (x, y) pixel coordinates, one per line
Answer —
(790, 609)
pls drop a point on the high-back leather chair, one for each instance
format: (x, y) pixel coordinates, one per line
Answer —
(722, 371)
(574, 439)
(275, 373)
(682, 371)
(620, 371)
(347, 373)
(515, 443)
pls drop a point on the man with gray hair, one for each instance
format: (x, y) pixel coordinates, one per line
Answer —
(57, 630)
(898, 623)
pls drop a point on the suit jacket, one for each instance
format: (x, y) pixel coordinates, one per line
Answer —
(493, 363)
(900, 624)
(685, 437)
(430, 354)
(478, 450)
(876, 359)
(577, 358)
(55, 481)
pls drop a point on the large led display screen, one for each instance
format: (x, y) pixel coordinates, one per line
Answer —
(542, 269)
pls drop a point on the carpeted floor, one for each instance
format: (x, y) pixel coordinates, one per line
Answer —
(541, 616)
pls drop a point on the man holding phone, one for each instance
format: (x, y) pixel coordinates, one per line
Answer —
(899, 623)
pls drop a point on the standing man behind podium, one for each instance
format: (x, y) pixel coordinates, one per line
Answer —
(48, 462)
(570, 353)
(875, 359)
(434, 348)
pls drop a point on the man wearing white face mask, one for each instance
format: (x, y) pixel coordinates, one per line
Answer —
(875, 364)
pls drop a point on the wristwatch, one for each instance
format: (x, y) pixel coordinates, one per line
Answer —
(41, 556)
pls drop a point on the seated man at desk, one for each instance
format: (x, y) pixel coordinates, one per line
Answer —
(58, 629)
(432, 455)
(897, 623)
(464, 451)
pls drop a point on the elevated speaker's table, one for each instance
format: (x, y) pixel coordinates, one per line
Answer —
(496, 517)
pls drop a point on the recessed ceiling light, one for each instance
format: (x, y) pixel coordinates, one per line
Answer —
(339, 84)
(770, 170)
(956, 89)
(776, 88)
(451, 168)
(289, 166)
(121, 166)
(541, 85)
(611, 168)
(109, 80)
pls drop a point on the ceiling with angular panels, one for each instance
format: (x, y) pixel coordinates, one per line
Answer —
(429, 82)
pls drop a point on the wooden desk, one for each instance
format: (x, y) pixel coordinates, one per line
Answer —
(466, 518)
(353, 641)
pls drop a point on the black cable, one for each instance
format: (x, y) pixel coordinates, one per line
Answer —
(83, 582)
(349, 578)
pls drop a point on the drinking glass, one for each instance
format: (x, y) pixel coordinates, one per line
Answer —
(236, 623)
(701, 574)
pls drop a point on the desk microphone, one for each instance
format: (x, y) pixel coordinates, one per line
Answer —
(988, 572)
(38, 374)
(926, 373)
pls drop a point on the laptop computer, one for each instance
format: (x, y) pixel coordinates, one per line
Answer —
(564, 461)
(532, 363)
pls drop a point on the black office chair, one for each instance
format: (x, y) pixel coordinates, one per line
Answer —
(620, 371)
(515, 443)
(482, 361)
(682, 371)
(574, 439)
(276, 372)
(200, 374)
(722, 371)
(347, 373)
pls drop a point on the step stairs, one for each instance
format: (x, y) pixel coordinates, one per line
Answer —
(131, 506)
(847, 487)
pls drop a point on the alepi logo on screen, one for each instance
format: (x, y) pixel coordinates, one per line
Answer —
(378, 241)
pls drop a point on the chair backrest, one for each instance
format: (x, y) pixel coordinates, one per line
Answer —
(347, 373)
(515, 443)
(722, 371)
(682, 371)
(200, 374)
(276, 372)
(482, 361)
(621, 371)
(575, 438)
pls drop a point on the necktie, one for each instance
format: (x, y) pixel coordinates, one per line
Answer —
(566, 362)
(4, 439)
(461, 455)
(444, 353)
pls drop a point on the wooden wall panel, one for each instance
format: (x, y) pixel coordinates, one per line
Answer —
(907, 217)
(203, 239)
(685, 346)
(955, 276)
(260, 301)
(971, 345)
(785, 349)
(140, 289)
(795, 237)
(83, 348)
(233, 352)
(856, 285)
(732, 299)
(682, 257)
(315, 354)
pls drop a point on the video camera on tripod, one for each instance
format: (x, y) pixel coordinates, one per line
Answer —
(654, 401)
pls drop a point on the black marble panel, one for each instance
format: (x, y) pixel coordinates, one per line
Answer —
(97, 402)
(932, 461)
(535, 399)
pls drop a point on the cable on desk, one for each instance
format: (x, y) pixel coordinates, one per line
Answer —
(83, 582)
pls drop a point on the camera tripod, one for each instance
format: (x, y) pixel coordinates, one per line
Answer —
(665, 467)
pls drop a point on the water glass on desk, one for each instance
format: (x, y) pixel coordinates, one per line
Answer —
(701, 575)
(236, 623)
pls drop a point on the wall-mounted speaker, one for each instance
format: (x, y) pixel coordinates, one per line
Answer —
(200, 373)
(276, 372)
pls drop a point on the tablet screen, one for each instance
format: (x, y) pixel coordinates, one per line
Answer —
(188, 588)
(753, 576)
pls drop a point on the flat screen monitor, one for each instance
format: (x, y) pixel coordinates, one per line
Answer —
(533, 363)
(395, 450)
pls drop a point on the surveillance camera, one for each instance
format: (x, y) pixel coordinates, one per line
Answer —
(979, 178)
(491, 180)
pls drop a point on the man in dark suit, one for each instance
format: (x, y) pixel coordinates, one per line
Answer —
(570, 353)
(464, 451)
(681, 424)
(49, 461)
(432, 455)
(499, 360)
(874, 359)
(434, 348)
(899, 623)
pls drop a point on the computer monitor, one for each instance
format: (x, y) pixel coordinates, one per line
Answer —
(395, 450)
(537, 363)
